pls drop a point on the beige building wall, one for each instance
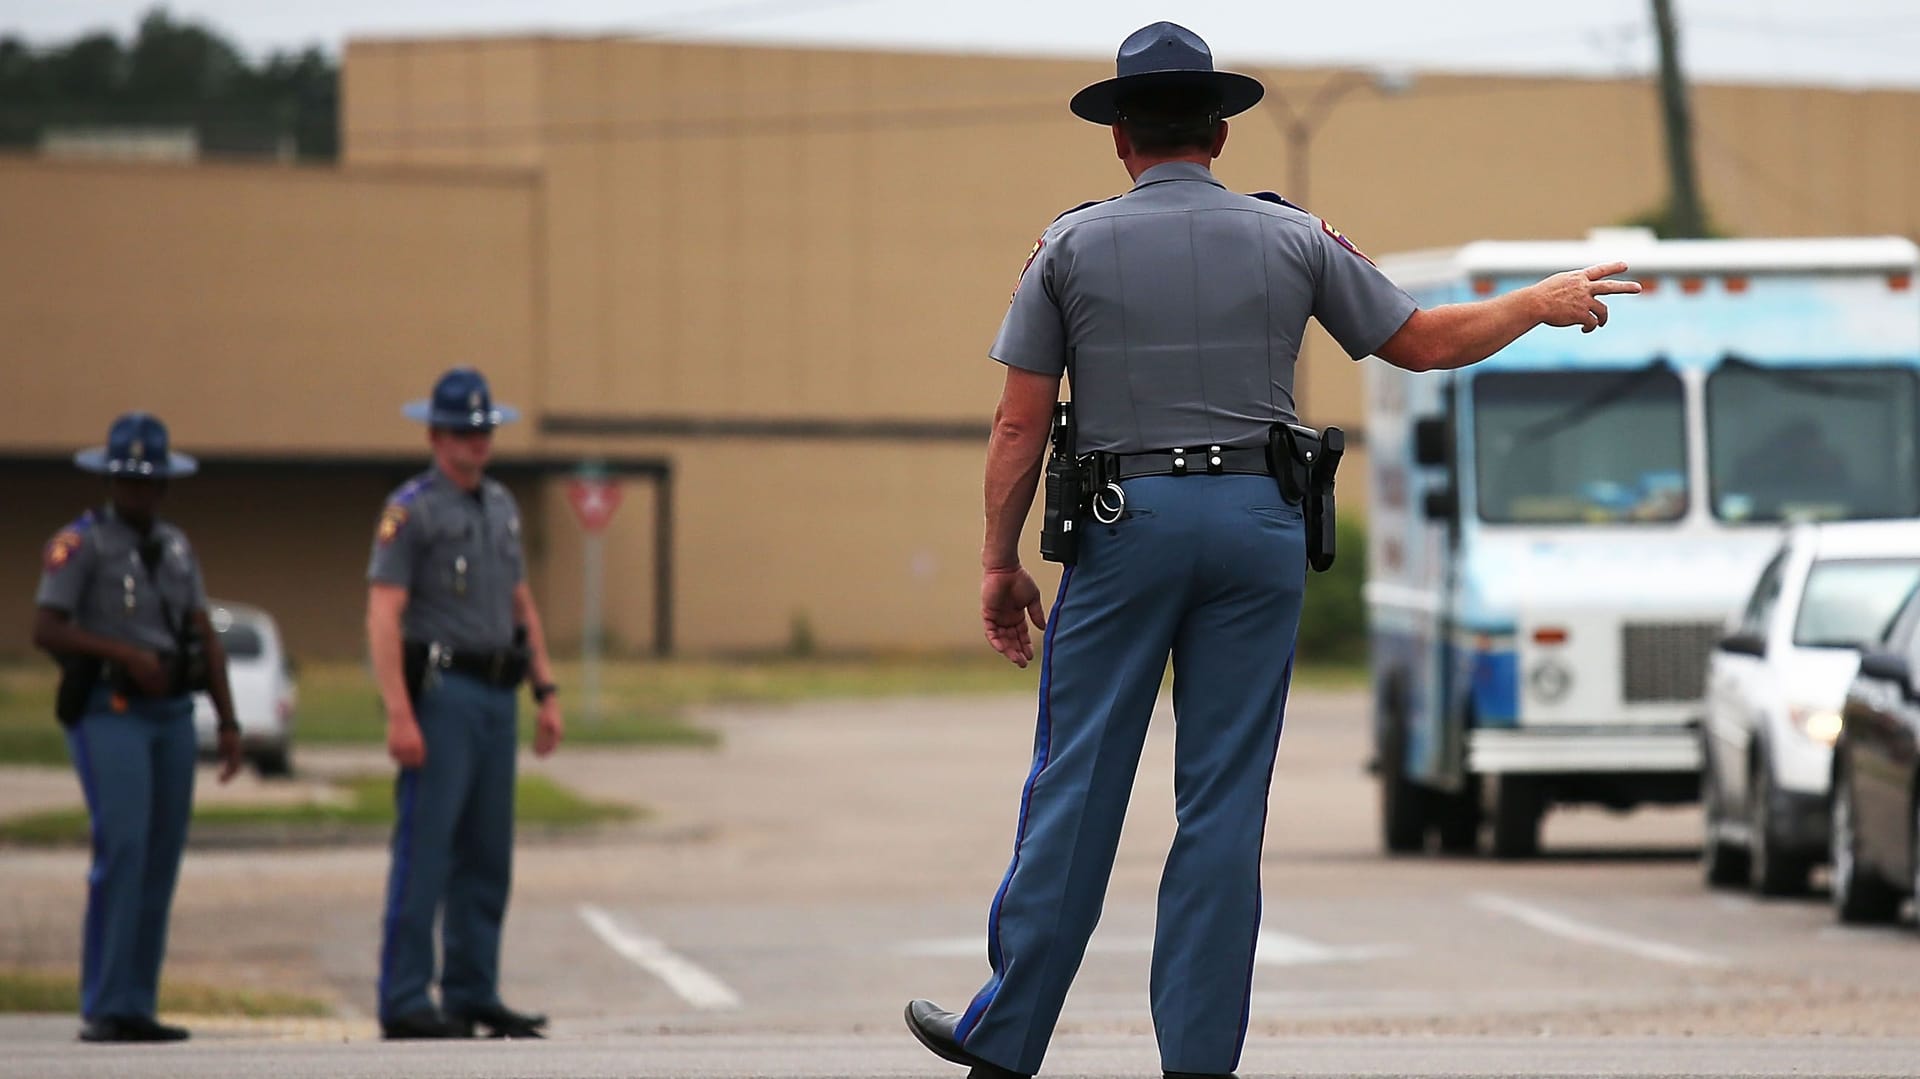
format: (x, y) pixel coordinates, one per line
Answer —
(774, 271)
(262, 311)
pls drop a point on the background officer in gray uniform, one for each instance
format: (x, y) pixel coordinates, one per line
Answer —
(1177, 311)
(120, 605)
(453, 629)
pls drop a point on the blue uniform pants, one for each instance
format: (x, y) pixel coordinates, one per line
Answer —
(136, 769)
(452, 851)
(1209, 570)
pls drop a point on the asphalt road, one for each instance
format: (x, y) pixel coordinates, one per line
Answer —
(793, 889)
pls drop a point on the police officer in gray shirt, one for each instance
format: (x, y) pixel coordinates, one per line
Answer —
(122, 607)
(453, 630)
(1176, 310)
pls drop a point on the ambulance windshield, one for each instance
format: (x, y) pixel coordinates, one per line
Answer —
(1573, 447)
(1814, 443)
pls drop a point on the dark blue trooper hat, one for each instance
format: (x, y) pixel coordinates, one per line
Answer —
(137, 449)
(461, 402)
(1164, 55)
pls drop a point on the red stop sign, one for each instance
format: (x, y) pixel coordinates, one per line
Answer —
(593, 501)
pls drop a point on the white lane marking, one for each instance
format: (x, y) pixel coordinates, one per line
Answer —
(1560, 925)
(1272, 949)
(694, 984)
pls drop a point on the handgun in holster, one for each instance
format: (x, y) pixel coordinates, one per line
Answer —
(1065, 490)
(1304, 462)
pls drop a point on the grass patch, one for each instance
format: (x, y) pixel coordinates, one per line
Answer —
(643, 702)
(367, 802)
(34, 991)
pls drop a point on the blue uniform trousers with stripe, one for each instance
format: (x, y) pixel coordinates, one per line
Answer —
(1209, 570)
(452, 851)
(136, 769)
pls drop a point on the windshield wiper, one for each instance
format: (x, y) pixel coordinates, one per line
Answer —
(1801, 378)
(1612, 393)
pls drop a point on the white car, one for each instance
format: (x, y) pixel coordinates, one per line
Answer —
(1775, 687)
(261, 677)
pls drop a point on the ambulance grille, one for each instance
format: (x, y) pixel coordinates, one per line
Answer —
(1665, 661)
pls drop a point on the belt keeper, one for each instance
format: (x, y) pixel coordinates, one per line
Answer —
(1215, 465)
(1179, 462)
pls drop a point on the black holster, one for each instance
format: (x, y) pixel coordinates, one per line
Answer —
(1304, 462)
(78, 676)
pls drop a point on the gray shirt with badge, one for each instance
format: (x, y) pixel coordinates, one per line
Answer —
(458, 555)
(96, 571)
(1177, 309)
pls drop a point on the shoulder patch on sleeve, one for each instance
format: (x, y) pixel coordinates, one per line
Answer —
(1341, 239)
(392, 520)
(61, 547)
(1277, 199)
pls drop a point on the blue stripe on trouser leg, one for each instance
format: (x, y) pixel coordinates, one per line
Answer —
(1233, 659)
(1042, 745)
(1106, 656)
(138, 786)
(482, 870)
(432, 797)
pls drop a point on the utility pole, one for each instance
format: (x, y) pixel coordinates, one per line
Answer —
(1685, 215)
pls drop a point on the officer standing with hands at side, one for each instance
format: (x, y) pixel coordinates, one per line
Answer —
(453, 630)
(122, 607)
(1177, 311)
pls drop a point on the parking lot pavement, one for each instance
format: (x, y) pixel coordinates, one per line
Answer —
(833, 860)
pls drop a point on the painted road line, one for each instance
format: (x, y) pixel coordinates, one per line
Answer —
(1273, 949)
(1559, 925)
(694, 984)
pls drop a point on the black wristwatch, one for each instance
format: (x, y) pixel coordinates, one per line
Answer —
(543, 690)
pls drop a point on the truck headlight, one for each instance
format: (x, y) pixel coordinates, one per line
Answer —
(1820, 724)
(1550, 680)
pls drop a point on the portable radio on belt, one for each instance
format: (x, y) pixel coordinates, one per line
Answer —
(1066, 485)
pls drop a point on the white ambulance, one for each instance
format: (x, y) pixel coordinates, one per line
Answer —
(1557, 536)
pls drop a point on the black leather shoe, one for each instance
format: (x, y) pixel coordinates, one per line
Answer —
(502, 1021)
(426, 1023)
(130, 1028)
(934, 1028)
(1198, 1075)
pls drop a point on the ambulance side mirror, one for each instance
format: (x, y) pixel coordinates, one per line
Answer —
(1440, 504)
(1430, 441)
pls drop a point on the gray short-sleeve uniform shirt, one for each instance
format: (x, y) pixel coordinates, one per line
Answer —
(459, 557)
(1177, 309)
(94, 572)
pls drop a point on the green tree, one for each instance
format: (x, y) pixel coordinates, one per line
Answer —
(173, 73)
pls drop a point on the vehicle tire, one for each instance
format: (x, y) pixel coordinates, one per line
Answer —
(275, 763)
(1721, 863)
(1859, 896)
(1459, 819)
(1772, 871)
(1403, 803)
(1518, 804)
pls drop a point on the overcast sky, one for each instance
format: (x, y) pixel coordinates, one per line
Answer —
(1833, 42)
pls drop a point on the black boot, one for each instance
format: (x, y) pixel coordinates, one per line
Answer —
(934, 1028)
(425, 1023)
(502, 1021)
(130, 1028)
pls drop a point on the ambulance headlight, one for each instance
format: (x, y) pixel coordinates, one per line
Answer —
(1550, 681)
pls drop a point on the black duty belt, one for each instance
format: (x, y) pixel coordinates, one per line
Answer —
(502, 667)
(1196, 461)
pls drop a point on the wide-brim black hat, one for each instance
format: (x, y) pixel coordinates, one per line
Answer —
(1164, 56)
